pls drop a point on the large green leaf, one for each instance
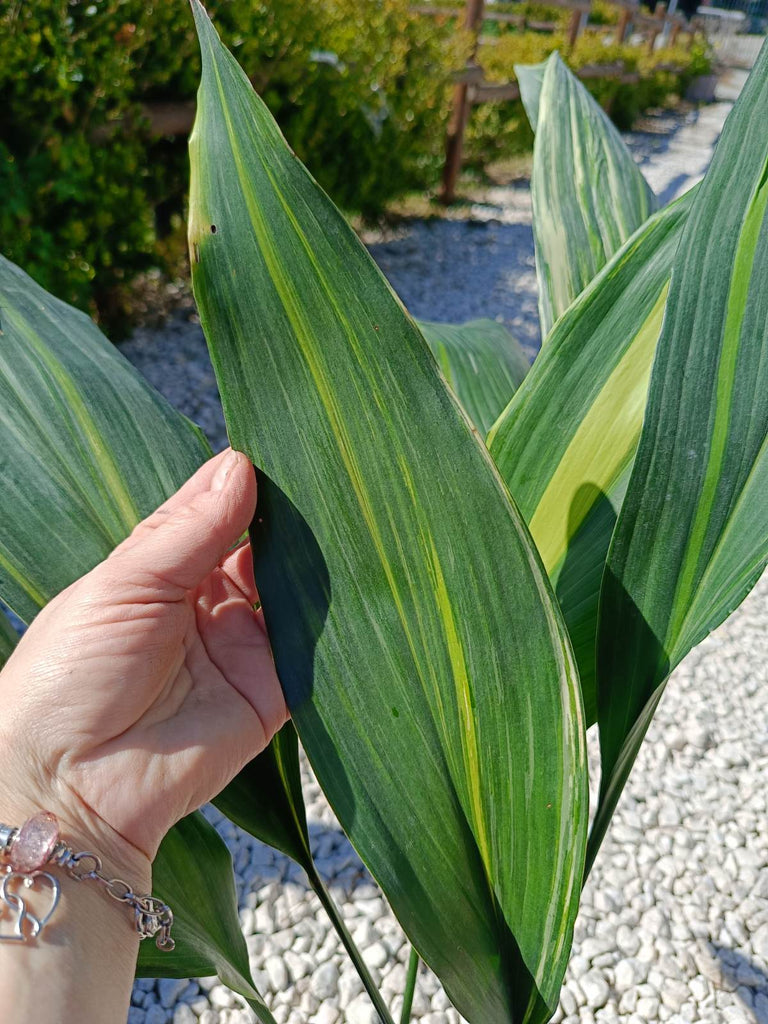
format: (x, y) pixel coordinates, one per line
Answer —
(588, 193)
(201, 890)
(566, 442)
(421, 651)
(692, 536)
(87, 449)
(483, 364)
(530, 79)
(8, 639)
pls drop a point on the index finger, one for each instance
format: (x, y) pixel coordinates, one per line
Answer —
(198, 483)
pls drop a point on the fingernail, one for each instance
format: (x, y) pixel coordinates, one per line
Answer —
(220, 478)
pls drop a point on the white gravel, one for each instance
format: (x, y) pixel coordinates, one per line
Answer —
(674, 919)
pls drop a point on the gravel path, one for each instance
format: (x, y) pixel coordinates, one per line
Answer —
(674, 920)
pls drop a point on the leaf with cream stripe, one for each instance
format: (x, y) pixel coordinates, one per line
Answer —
(588, 193)
(692, 536)
(566, 443)
(423, 657)
(87, 448)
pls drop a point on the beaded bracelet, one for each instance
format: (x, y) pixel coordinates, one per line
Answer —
(27, 850)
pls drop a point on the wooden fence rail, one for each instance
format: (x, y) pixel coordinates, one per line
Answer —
(471, 87)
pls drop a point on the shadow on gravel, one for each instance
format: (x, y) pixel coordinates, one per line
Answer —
(337, 864)
(745, 976)
(672, 188)
(653, 134)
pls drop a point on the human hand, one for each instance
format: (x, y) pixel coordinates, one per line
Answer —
(142, 689)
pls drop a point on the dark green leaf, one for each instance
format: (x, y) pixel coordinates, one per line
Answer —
(201, 891)
(8, 639)
(421, 650)
(692, 536)
(266, 799)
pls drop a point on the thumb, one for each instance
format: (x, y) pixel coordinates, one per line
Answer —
(178, 546)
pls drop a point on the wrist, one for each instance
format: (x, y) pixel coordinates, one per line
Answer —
(76, 930)
(81, 829)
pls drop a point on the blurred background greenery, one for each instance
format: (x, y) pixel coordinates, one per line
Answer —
(93, 180)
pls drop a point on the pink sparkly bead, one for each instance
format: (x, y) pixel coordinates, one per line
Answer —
(34, 844)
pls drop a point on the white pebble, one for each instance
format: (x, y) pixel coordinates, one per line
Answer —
(760, 943)
(325, 981)
(277, 973)
(595, 988)
(376, 955)
(170, 990)
(361, 1011)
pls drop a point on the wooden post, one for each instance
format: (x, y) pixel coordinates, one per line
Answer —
(623, 25)
(661, 14)
(454, 144)
(574, 27)
(674, 33)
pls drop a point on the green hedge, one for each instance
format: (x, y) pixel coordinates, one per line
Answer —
(90, 198)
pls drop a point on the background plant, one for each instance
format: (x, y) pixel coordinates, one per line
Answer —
(91, 196)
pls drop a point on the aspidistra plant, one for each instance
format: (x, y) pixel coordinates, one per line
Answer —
(446, 616)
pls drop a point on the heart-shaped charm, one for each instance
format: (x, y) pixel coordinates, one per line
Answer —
(18, 909)
(37, 881)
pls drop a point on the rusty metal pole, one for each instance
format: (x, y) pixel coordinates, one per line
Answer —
(454, 143)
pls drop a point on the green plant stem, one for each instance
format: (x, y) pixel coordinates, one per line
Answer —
(410, 986)
(354, 953)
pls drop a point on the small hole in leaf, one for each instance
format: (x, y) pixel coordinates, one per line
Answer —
(213, 229)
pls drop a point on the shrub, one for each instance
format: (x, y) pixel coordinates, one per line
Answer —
(88, 192)
(602, 12)
(91, 197)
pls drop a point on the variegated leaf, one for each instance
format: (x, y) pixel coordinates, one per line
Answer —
(8, 639)
(566, 443)
(87, 449)
(483, 364)
(415, 634)
(692, 535)
(588, 193)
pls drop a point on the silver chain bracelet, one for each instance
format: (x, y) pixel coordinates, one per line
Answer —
(36, 844)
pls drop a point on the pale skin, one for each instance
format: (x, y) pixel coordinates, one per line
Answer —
(135, 696)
